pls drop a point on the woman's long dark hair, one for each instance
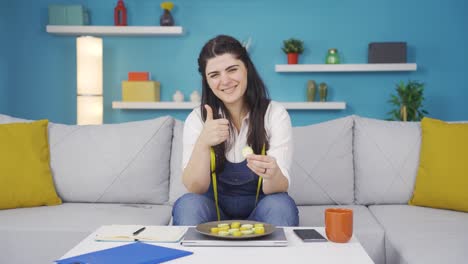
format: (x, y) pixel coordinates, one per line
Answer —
(256, 95)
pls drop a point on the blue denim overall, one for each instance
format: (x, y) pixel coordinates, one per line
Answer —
(237, 188)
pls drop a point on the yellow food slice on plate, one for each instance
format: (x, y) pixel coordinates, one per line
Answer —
(259, 230)
(224, 228)
(237, 233)
(247, 232)
(223, 233)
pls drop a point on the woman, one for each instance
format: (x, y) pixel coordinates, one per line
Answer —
(235, 112)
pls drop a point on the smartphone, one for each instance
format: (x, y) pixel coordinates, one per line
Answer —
(309, 235)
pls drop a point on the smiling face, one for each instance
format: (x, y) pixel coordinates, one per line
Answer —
(227, 78)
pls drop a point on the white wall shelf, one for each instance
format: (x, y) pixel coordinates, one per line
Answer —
(153, 105)
(190, 105)
(370, 67)
(114, 30)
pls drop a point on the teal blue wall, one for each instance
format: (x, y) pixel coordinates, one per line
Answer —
(5, 46)
(43, 82)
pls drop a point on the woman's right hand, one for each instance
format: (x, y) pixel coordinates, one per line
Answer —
(215, 131)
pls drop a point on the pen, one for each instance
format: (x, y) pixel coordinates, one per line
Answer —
(139, 231)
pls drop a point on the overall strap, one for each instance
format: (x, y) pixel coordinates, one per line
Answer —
(259, 179)
(215, 185)
(213, 180)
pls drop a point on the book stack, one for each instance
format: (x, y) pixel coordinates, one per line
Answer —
(139, 88)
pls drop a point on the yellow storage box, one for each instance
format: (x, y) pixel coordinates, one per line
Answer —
(141, 91)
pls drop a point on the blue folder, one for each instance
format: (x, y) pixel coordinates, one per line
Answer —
(135, 253)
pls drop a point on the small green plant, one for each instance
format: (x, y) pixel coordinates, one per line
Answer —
(293, 45)
(408, 101)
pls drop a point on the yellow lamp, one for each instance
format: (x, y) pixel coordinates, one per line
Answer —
(89, 80)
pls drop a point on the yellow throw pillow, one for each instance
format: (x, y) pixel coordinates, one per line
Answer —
(442, 179)
(25, 175)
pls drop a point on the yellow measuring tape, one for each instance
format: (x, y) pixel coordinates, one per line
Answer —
(215, 185)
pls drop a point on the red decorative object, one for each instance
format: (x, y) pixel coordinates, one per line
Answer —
(293, 58)
(120, 14)
(138, 76)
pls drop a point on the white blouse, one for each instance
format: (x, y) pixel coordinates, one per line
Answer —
(277, 126)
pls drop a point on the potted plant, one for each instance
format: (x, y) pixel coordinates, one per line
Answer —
(293, 47)
(408, 102)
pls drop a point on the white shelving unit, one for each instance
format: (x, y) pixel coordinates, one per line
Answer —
(190, 105)
(370, 67)
(114, 30)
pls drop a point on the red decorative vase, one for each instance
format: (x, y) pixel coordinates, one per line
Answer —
(120, 14)
(293, 58)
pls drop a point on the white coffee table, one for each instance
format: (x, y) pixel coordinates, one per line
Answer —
(296, 252)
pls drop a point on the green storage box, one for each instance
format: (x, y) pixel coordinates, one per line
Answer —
(68, 15)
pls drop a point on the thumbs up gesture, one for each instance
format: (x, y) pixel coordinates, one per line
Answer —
(214, 131)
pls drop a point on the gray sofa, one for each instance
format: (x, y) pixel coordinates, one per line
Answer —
(130, 173)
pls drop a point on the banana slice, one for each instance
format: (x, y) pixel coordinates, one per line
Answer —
(232, 230)
(258, 225)
(247, 226)
(247, 232)
(223, 225)
(224, 228)
(214, 230)
(259, 230)
(235, 224)
(223, 233)
(246, 151)
(237, 233)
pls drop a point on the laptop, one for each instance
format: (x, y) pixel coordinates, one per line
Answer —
(193, 238)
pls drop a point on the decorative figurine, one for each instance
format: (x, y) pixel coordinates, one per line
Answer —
(311, 90)
(178, 96)
(195, 97)
(166, 18)
(120, 14)
(323, 90)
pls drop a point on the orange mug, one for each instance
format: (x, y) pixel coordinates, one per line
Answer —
(339, 224)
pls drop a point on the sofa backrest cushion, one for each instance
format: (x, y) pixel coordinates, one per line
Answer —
(111, 163)
(176, 187)
(322, 168)
(386, 158)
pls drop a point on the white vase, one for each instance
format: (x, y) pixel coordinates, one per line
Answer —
(195, 97)
(178, 96)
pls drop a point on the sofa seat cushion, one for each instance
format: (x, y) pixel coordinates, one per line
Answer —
(47, 233)
(366, 228)
(423, 235)
(83, 216)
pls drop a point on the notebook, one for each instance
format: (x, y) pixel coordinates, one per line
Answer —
(195, 239)
(128, 254)
(125, 233)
